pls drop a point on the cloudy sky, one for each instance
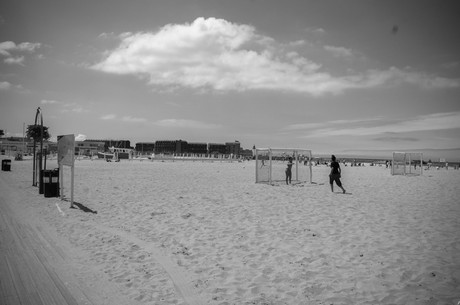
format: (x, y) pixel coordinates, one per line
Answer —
(330, 76)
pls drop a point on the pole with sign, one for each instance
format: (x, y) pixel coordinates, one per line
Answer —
(66, 156)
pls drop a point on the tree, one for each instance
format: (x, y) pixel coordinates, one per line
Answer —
(34, 131)
(2, 133)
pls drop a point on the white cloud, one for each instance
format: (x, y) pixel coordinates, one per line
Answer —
(7, 47)
(28, 46)
(309, 126)
(186, 124)
(126, 118)
(297, 43)
(220, 55)
(108, 117)
(398, 76)
(436, 121)
(49, 102)
(133, 119)
(77, 109)
(315, 30)
(14, 60)
(65, 107)
(304, 126)
(339, 51)
(80, 137)
(5, 85)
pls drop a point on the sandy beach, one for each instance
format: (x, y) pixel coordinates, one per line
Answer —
(206, 233)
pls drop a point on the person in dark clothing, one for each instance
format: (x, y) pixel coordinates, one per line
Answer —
(335, 174)
(289, 171)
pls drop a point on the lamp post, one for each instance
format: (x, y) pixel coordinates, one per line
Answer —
(34, 180)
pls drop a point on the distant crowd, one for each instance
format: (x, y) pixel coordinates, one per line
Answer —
(353, 163)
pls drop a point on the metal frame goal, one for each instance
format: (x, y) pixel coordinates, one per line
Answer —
(407, 163)
(271, 165)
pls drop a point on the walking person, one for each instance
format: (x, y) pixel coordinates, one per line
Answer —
(289, 171)
(335, 174)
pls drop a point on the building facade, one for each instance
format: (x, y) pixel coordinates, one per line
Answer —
(14, 145)
(89, 147)
(215, 148)
(145, 147)
(233, 148)
(197, 148)
(183, 147)
(165, 147)
(113, 143)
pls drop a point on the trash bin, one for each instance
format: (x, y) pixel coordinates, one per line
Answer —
(51, 182)
(6, 165)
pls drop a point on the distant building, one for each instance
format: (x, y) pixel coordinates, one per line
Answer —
(233, 148)
(165, 147)
(184, 147)
(197, 148)
(18, 145)
(113, 143)
(215, 148)
(13, 145)
(145, 147)
(89, 147)
(181, 147)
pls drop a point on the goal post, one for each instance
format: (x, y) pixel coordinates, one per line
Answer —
(407, 163)
(271, 164)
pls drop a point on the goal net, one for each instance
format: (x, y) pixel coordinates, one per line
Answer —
(406, 163)
(271, 164)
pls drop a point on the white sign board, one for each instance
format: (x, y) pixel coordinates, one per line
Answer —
(66, 150)
(66, 156)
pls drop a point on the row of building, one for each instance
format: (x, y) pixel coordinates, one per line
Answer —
(92, 147)
(184, 147)
(9, 145)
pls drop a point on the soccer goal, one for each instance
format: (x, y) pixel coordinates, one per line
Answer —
(407, 163)
(271, 164)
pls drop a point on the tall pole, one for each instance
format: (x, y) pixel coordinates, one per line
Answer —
(34, 178)
(23, 139)
(34, 181)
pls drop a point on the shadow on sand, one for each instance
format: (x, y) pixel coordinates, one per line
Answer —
(82, 207)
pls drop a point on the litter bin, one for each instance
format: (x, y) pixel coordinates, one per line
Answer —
(51, 182)
(6, 165)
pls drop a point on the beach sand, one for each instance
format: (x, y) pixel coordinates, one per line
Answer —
(205, 233)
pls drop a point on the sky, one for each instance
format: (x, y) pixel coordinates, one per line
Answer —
(330, 76)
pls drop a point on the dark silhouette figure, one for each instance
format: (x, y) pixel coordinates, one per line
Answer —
(335, 174)
(289, 171)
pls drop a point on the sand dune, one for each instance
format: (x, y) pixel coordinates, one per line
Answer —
(205, 233)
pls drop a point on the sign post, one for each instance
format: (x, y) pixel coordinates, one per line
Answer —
(66, 156)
